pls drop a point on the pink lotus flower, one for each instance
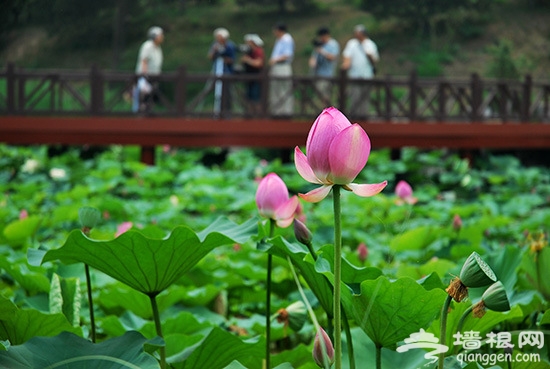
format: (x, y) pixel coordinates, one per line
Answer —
(273, 200)
(404, 191)
(323, 351)
(336, 152)
(457, 222)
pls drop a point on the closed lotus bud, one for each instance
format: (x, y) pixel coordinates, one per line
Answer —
(302, 233)
(494, 298)
(323, 351)
(89, 217)
(457, 222)
(362, 252)
(474, 273)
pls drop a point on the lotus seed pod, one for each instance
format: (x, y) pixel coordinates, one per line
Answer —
(495, 297)
(297, 315)
(89, 217)
(476, 272)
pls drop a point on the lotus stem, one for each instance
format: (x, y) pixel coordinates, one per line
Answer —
(349, 340)
(90, 302)
(337, 277)
(462, 320)
(378, 356)
(158, 327)
(268, 301)
(443, 328)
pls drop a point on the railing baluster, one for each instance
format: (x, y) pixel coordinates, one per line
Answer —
(11, 81)
(526, 101)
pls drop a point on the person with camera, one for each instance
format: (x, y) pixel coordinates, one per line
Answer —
(148, 66)
(323, 62)
(222, 54)
(253, 62)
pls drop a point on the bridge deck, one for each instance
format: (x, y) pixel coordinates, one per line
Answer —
(202, 132)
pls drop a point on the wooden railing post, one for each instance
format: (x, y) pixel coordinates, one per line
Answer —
(342, 86)
(11, 82)
(526, 101)
(181, 90)
(442, 101)
(389, 97)
(413, 95)
(96, 91)
(477, 98)
(264, 95)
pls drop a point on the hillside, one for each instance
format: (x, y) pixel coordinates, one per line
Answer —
(189, 33)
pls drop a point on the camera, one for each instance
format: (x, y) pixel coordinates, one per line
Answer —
(316, 42)
(244, 48)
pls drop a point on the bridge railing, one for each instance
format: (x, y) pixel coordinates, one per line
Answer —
(390, 98)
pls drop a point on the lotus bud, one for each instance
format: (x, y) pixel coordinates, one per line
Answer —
(89, 217)
(323, 351)
(294, 315)
(474, 273)
(302, 233)
(457, 222)
(494, 298)
(362, 252)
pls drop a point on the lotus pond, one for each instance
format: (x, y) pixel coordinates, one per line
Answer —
(174, 265)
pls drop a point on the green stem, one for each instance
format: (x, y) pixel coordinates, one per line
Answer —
(349, 340)
(378, 356)
(337, 277)
(90, 301)
(443, 328)
(158, 327)
(462, 320)
(268, 301)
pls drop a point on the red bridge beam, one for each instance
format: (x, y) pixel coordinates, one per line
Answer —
(200, 132)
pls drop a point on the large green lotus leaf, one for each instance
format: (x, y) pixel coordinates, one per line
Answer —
(218, 349)
(351, 274)
(19, 230)
(145, 264)
(69, 351)
(7, 308)
(301, 259)
(23, 324)
(390, 311)
(414, 239)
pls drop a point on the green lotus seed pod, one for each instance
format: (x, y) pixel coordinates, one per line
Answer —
(476, 272)
(89, 217)
(495, 297)
(297, 315)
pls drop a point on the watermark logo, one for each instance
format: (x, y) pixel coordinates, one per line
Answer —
(472, 340)
(424, 340)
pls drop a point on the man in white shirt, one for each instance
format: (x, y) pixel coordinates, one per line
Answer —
(281, 98)
(149, 64)
(359, 58)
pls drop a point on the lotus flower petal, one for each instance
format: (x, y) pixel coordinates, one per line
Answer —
(287, 209)
(366, 190)
(303, 167)
(317, 194)
(348, 154)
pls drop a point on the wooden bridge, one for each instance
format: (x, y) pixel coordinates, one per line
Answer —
(94, 107)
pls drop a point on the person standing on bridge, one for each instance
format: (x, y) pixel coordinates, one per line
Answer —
(359, 57)
(281, 96)
(322, 63)
(222, 53)
(149, 65)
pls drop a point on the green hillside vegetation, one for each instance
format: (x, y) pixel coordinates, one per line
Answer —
(510, 38)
